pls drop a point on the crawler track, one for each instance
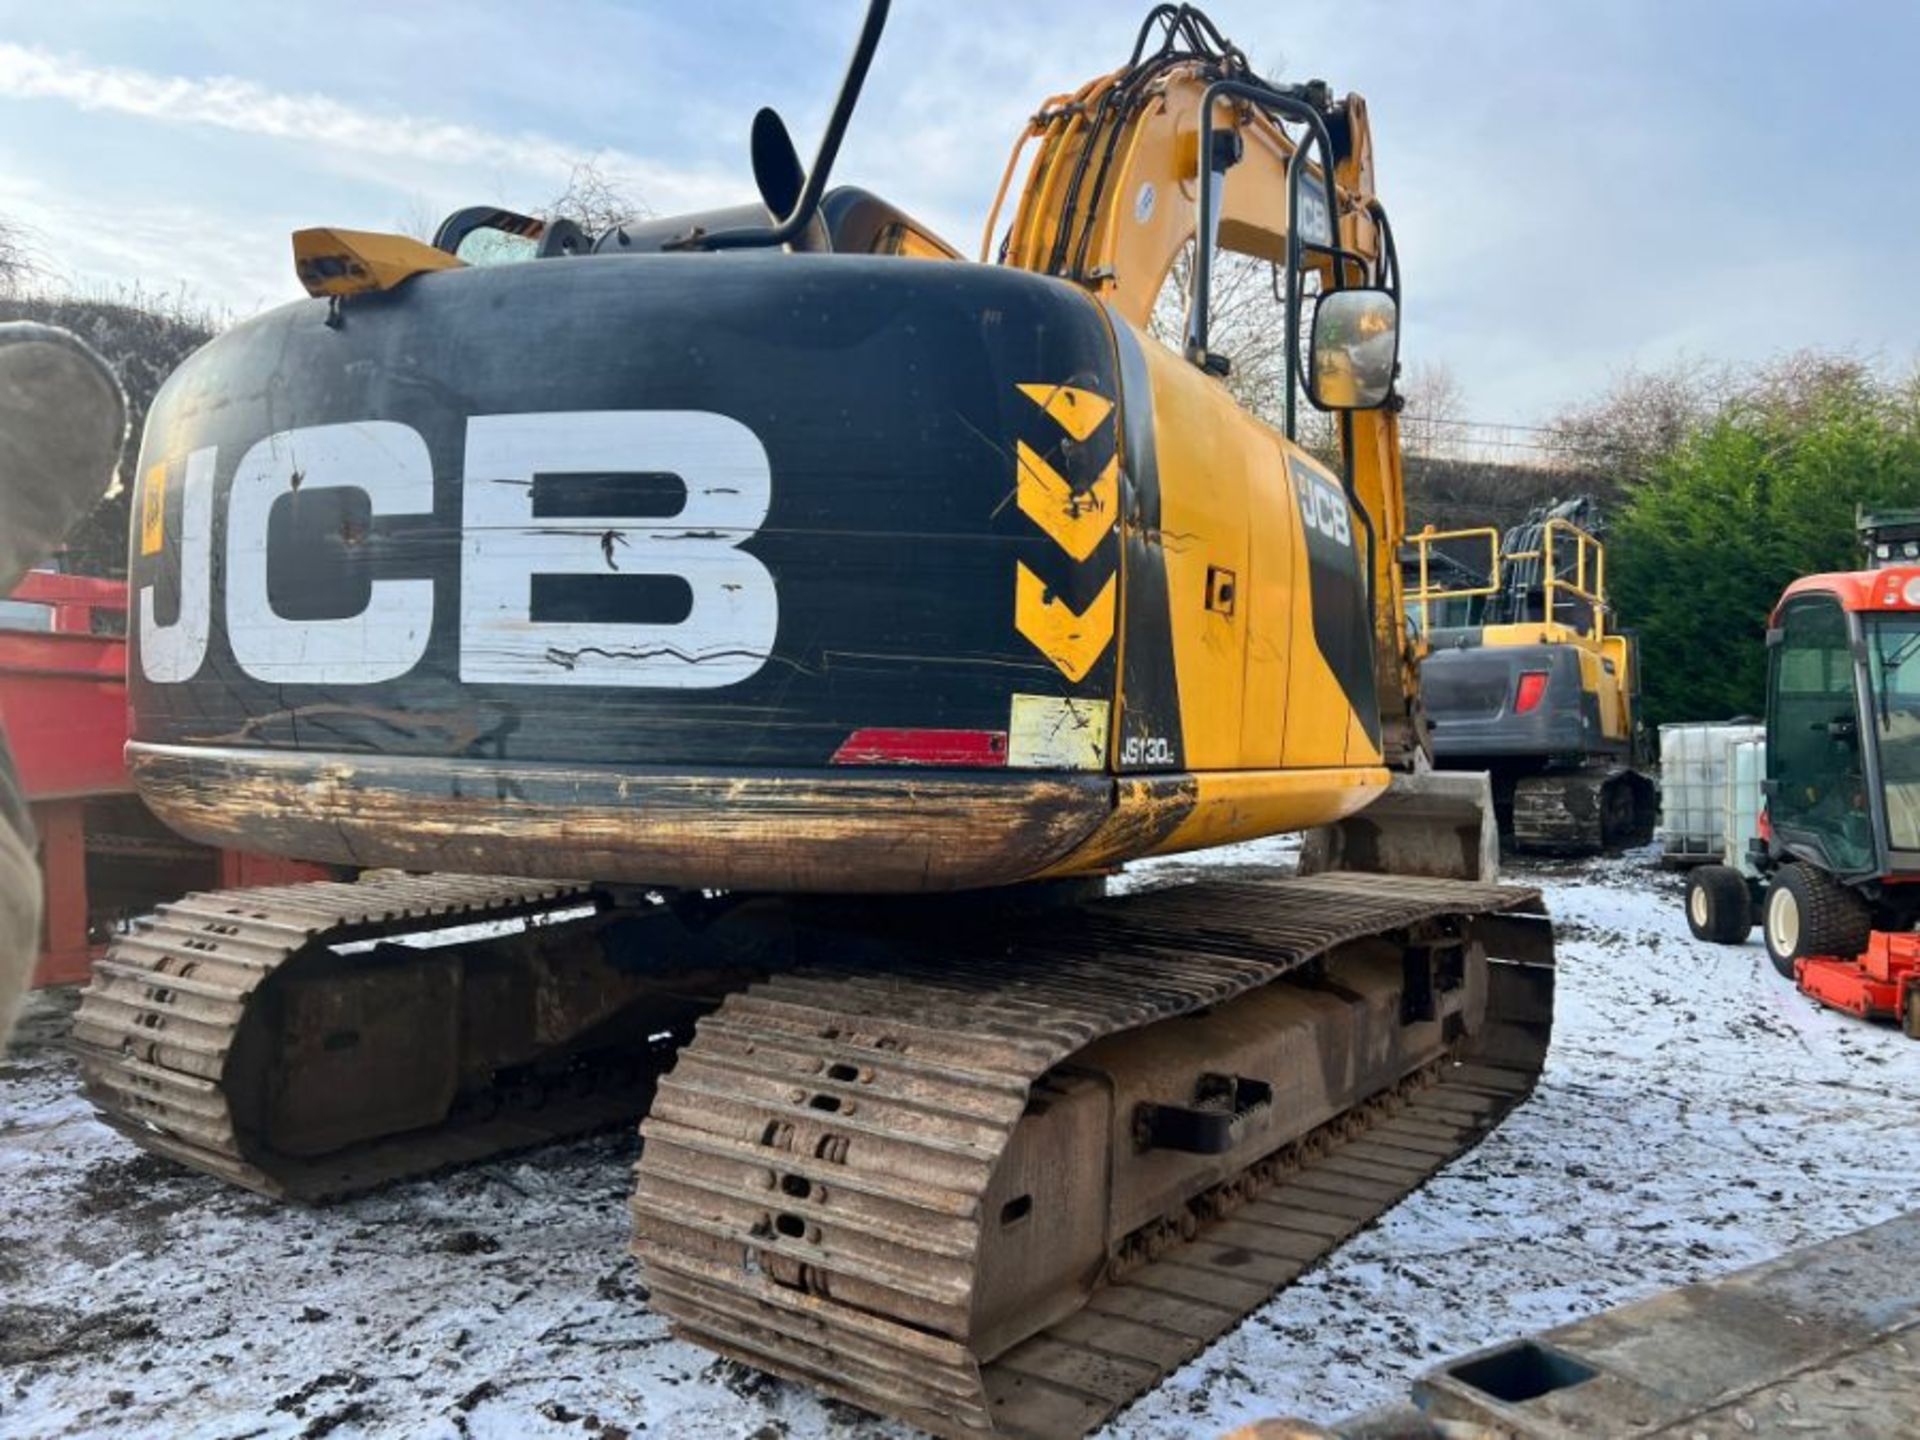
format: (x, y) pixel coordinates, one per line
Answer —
(1582, 812)
(815, 1193)
(158, 1026)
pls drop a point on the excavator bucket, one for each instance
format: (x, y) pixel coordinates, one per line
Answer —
(1438, 824)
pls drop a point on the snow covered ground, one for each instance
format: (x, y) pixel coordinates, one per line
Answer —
(1697, 1116)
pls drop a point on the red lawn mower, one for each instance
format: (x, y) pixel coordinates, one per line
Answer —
(1835, 870)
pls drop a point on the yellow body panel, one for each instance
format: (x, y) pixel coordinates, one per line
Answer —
(1251, 803)
(1616, 699)
(1129, 247)
(1267, 696)
(1323, 728)
(1170, 814)
(1207, 449)
(1259, 702)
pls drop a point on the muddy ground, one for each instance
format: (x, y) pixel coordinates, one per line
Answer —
(1696, 1116)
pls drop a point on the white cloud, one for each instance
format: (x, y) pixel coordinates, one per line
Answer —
(235, 267)
(323, 125)
(1576, 188)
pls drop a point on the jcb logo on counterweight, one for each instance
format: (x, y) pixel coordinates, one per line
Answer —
(508, 545)
(1075, 519)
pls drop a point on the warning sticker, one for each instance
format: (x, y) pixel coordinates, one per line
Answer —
(153, 510)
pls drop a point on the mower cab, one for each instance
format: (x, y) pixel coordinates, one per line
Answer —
(1843, 732)
(1834, 875)
(1839, 850)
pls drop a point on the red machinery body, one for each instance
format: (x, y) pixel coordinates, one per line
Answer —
(1861, 752)
(63, 711)
(63, 693)
(1882, 983)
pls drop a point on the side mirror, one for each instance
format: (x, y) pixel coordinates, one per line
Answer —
(1356, 345)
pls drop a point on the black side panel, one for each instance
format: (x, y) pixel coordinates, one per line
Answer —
(1149, 731)
(1342, 627)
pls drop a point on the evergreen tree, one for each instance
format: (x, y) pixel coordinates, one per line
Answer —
(1762, 492)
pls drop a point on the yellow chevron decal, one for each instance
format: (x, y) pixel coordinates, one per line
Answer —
(1078, 412)
(153, 510)
(1074, 522)
(1071, 641)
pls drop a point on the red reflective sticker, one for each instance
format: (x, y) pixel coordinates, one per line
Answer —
(961, 748)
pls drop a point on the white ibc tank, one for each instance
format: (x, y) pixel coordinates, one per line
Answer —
(1747, 768)
(1695, 768)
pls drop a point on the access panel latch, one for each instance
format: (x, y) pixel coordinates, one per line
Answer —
(1224, 1106)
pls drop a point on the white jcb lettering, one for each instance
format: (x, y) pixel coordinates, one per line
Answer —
(1324, 508)
(389, 463)
(728, 631)
(725, 634)
(172, 653)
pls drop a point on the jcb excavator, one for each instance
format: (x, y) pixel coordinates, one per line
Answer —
(1525, 678)
(818, 618)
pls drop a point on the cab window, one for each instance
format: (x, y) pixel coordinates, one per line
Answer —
(1893, 655)
(1813, 737)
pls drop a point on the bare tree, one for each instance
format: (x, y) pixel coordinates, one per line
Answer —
(595, 200)
(19, 262)
(1801, 384)
(1246, 323)
(418, 220)
(1616, 440)
(1432, 423)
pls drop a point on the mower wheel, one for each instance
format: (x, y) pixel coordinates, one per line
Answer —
(1808, 912)
(1718, 905)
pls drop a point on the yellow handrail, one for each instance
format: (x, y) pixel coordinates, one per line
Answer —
(1594, 593)
(1426, 590)
(1588, 566)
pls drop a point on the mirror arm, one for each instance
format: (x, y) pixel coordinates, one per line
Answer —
(1366, 518)
(1295, 287)
(1389, 252)
(804, 209)
(1275, 102)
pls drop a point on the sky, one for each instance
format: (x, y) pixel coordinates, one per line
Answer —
(1579, 187)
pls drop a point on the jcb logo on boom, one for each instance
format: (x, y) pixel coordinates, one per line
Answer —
(725, 637)
(1323, 507)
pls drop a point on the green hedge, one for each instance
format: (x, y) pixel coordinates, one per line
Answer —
(1760, 494)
